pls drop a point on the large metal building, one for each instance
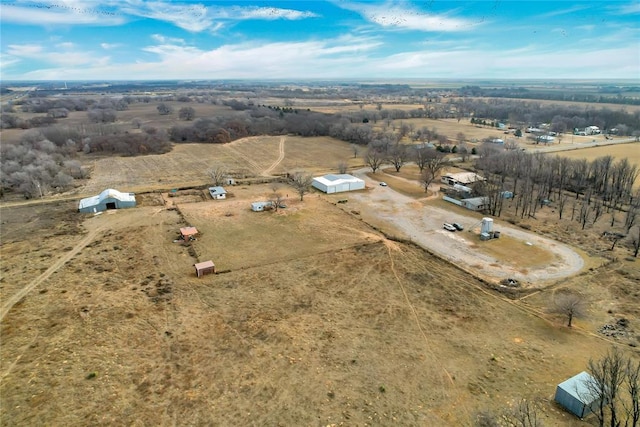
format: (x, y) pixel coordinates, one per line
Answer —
(108, 199)
(577, 396)
(337, 183)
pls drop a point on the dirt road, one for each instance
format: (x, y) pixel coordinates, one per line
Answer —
(423, 225)
(13, 300)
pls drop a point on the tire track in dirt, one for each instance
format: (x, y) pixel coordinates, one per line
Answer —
(280, 158)
(250, 162)
(8, 304)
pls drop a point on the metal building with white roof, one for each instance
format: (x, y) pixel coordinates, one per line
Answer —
(108, 199)
(337, 183)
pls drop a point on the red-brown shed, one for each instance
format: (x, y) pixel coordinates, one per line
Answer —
(206, 267)
(188, 232)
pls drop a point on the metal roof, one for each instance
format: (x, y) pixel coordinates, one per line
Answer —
(577, 387)
(188, 231)
(336, 179)
(204, 264)
(109, 193)
(217, 190)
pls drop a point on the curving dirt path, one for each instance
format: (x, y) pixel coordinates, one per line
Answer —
(423, 225)
(8, 304)
(275, 164)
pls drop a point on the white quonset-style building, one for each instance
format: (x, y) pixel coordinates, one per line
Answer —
(578, 394)
(338, 183)
(108, 199)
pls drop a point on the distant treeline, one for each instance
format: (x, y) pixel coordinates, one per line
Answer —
(604, 95)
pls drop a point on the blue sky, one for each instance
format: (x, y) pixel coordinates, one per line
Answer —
(339, 39)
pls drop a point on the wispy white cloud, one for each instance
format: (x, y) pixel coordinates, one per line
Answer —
(109, 46)
(625, 9)
(45, 14)
(163, 39)
(271, 13)
(566, 11)
(190, 17)
(400, 16)
(65, 56)
(201, 17)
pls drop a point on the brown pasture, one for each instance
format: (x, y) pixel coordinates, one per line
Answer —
(187, 165)
(314, 318)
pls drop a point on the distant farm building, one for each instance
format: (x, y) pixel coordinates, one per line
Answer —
(577, 395)
(218, 193)
(260, 206)
(477, 204)
(462, 178)
(337, 183)
(545, 139)
(206, 267)
(108, 199)
(592, 130)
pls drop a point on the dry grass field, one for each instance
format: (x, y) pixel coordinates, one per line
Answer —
(316, 317)
(187, 165)
(319, 320)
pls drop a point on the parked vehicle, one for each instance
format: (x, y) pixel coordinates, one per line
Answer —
(458, 226)
(448, 227)
(383, 184)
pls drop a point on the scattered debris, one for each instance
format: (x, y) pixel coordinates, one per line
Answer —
(618, 329)
(510, 282)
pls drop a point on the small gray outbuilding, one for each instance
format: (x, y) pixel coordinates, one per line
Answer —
(577, 396)
(108, 199)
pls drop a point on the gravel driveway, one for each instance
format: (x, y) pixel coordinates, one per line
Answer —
(423, 224)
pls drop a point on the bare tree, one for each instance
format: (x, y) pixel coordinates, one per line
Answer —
(632, 408)
(342, 167)
(164, 109)
(525, 413)
(398, 156)
(374, 158)
(355, 150)
(570, 305)
(187, 113)
(635, 241)
(301, 181)
(276, 198)
(218, 175)
(434, 163)
(607, 376)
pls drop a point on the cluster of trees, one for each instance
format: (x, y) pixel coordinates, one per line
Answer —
(612, 95)
(591, 188)
(38, 165)
(616, 386)
(43, 161)
(561, 118)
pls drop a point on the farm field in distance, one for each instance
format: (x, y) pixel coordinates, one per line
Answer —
(330, 311)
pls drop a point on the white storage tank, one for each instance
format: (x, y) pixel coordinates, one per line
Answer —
(487, 226)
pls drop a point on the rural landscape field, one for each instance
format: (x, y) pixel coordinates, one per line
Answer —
(353, 308)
